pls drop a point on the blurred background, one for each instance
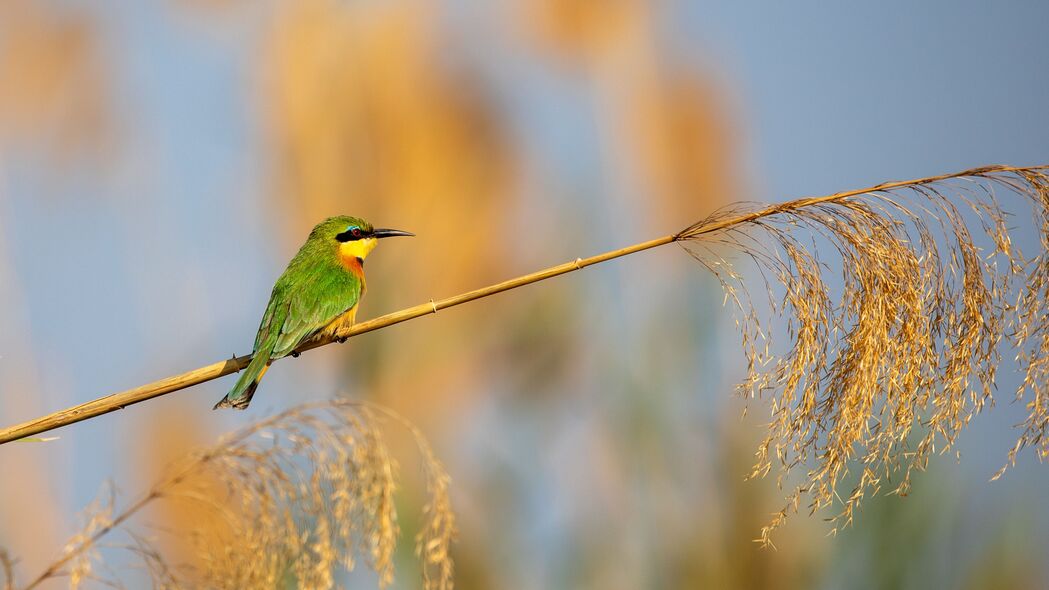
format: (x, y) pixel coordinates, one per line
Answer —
(161, 161)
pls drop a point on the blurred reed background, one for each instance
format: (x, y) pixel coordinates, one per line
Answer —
(161, 161)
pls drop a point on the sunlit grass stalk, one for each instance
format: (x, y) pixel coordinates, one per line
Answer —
(697, 231)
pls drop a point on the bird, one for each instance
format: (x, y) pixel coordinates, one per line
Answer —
(318, 294)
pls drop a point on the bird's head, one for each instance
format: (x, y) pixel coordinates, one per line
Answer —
(353, 237)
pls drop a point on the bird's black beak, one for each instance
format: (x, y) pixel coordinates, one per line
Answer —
(389, 233)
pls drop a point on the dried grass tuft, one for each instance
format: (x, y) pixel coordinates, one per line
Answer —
(98, 520)
(886, 373)
(304, 495)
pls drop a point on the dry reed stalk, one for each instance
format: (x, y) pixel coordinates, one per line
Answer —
(302, 494)
(724, 221)
(119, 401)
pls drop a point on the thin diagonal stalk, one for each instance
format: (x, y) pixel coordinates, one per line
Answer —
(123, 399)
(156, 492)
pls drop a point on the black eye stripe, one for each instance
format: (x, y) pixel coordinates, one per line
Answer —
(353, 233)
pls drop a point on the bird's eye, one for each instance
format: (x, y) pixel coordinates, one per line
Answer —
(353, 232)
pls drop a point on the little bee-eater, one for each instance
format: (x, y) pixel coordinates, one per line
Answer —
(318, 293)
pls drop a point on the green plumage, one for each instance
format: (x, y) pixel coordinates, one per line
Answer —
(314, 290)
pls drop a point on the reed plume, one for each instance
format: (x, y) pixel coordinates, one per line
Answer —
(886, 373)
(303, 495)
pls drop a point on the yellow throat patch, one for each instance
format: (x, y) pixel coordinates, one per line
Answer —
(350, 253)
(357, 248)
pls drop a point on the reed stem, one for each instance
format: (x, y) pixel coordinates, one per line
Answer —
(148, 391)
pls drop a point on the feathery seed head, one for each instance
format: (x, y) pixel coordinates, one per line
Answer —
(888, 361)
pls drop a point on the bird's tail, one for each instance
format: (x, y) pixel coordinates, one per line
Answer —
(240, 396)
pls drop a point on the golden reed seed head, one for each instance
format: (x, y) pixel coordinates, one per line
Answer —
(886, 368)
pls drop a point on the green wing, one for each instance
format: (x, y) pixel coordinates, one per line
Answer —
(302, 304)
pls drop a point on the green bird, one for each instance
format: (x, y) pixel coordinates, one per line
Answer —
(319, 293)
